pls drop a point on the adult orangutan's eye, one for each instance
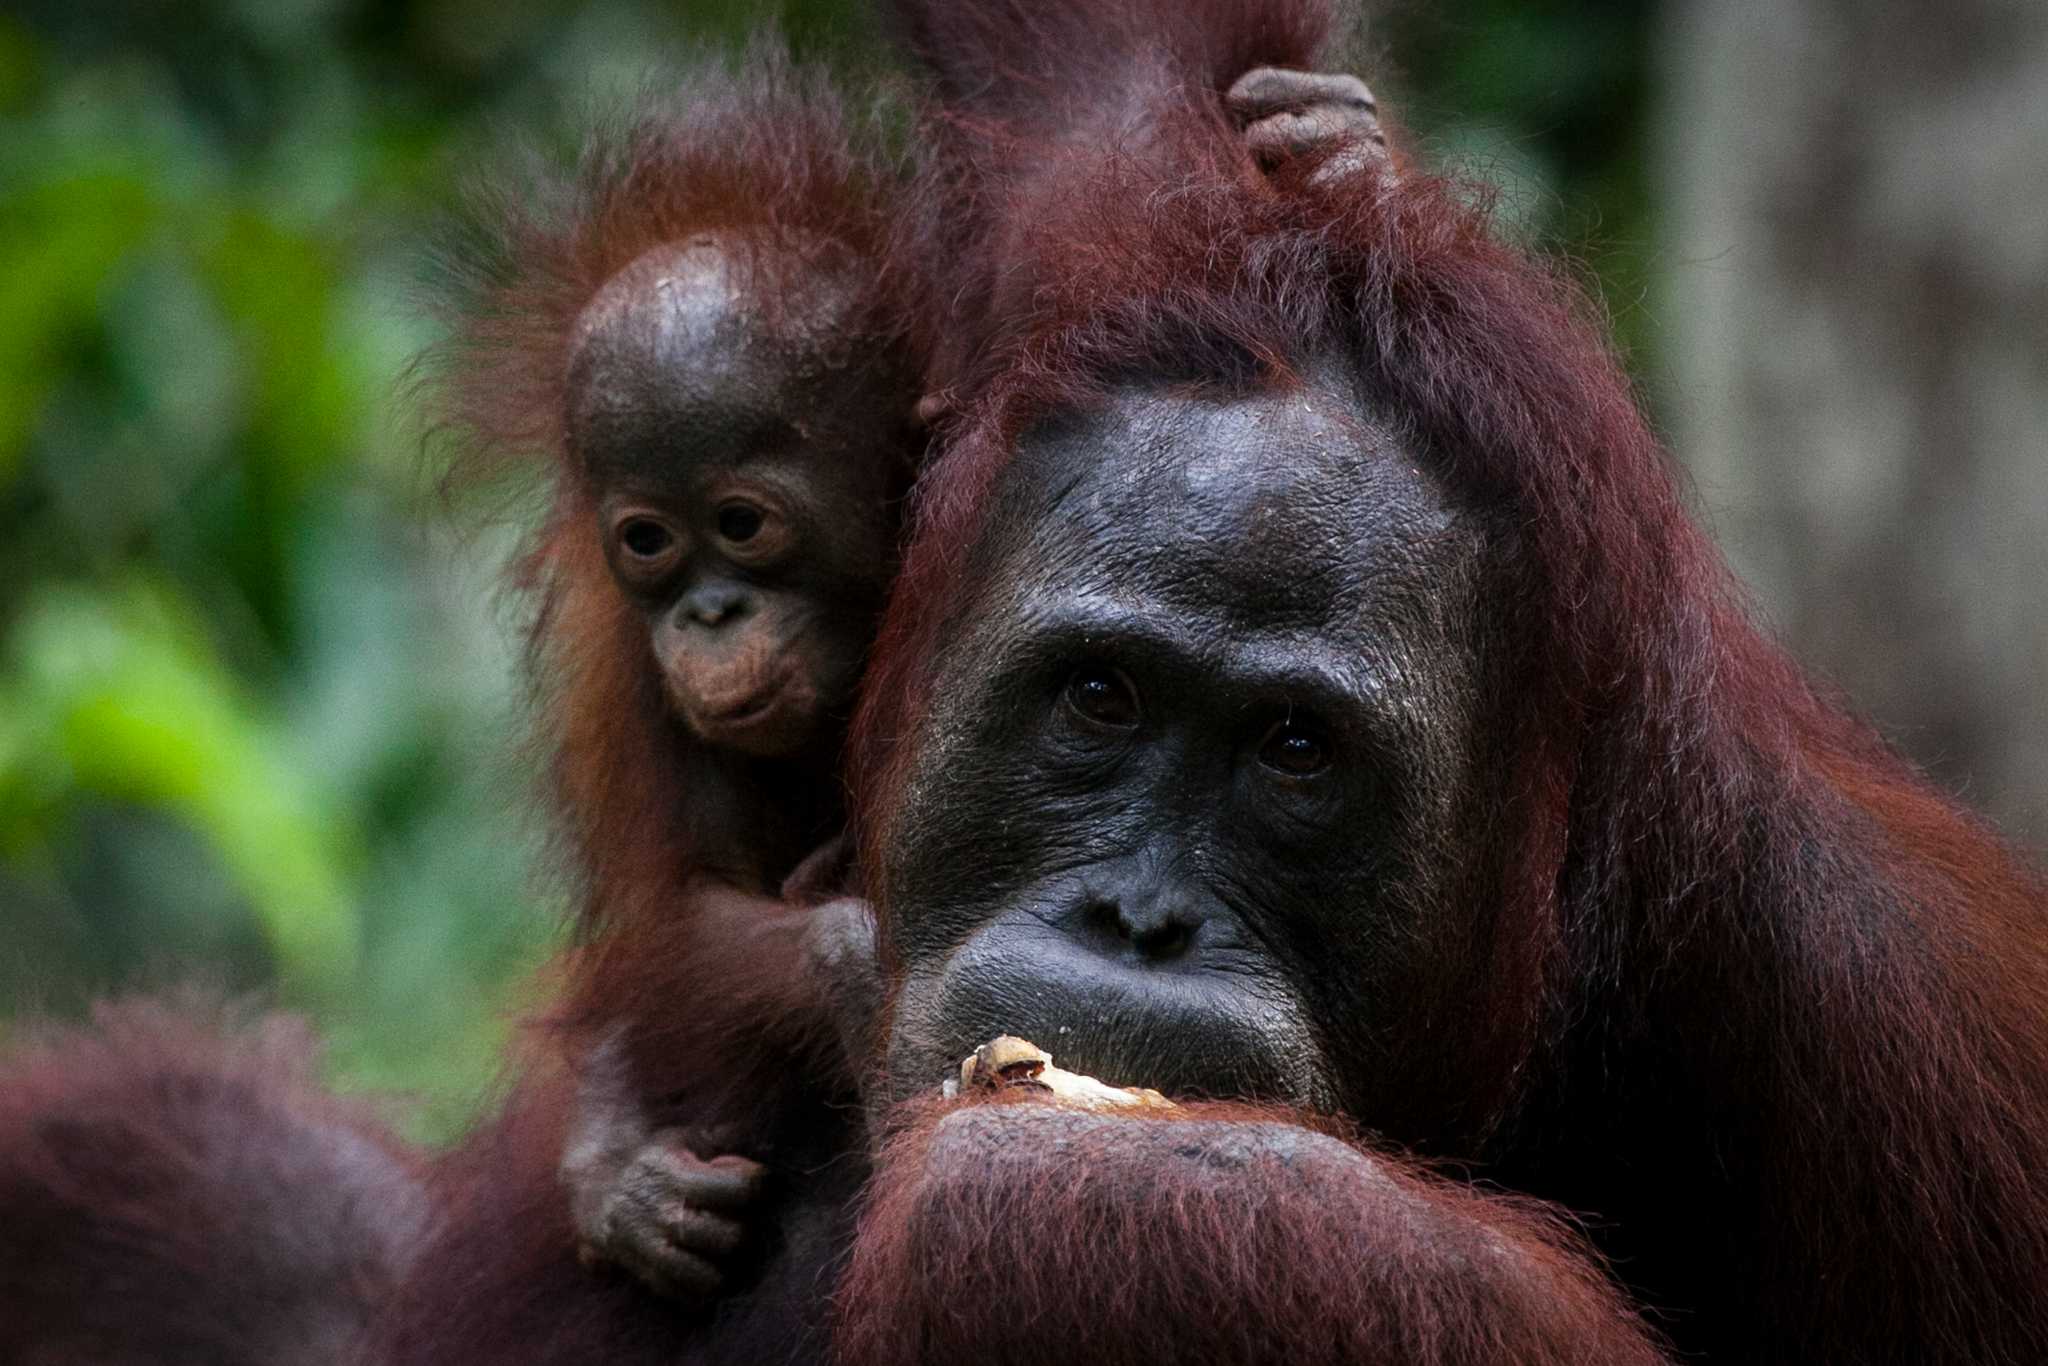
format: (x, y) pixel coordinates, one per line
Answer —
(1103, 697)
(1295, 749)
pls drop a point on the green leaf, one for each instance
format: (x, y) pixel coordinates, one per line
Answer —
(132, 705)
(61, 241)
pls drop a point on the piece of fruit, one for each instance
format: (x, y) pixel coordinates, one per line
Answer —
(1008, 1063)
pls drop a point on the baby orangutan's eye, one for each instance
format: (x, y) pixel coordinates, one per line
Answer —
(755, 535)
(740, 522)
(645, 539)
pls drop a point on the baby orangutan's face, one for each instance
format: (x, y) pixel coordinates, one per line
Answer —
(744, 460)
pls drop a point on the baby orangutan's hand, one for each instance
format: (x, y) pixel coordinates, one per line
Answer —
(1292, 115)
(641, 1198)
(674, 1220)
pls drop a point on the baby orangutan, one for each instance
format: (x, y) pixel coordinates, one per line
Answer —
(701, 336)
(745, 469)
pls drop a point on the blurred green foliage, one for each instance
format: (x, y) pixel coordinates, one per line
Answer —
(259, 712)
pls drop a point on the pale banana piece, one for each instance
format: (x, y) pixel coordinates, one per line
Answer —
(1009, 1063)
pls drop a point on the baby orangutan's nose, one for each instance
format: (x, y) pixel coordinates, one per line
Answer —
(715, 604)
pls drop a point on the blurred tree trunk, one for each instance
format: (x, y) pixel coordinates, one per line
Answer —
(1857, 316)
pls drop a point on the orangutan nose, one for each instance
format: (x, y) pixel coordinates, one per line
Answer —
(715, 604)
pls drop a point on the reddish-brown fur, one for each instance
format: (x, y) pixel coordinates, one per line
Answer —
(1768, 1008)
(683, 951)
(176, 1187)
(1043, 1238)
(502, 1282)
(686, 954)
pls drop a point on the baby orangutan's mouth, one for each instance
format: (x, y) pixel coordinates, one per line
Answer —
(748, 709)
(759, 689)
(774, 718)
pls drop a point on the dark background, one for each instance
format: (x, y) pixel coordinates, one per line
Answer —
(259, 720)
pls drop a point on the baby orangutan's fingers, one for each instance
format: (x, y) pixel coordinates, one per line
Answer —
(1268, 90)
(1280, 138)
(823, 873)
(675, 1220)
(726, 1183)
(669, 1270)
(1291, 115)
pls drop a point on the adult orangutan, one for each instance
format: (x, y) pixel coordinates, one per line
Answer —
(1348, 724)
(692, 330)
(1308, 636)
(1307, 695)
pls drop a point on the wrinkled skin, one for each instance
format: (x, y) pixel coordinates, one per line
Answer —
(1213, 725)
(641, 1197)
(675, 1206)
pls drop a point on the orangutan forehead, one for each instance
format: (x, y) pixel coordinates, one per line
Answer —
(721, 289)
(1282, 484)
(710, 350)
(1292, 520)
